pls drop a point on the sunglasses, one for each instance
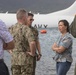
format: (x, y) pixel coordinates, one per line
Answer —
(31, 19)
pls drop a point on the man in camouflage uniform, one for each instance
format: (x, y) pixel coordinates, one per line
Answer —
(25, 41)
(35, 32)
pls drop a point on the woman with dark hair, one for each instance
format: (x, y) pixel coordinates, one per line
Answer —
(63, 48)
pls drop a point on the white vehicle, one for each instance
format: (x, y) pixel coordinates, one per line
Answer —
(44, 20)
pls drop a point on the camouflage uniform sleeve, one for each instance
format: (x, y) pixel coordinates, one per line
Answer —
(10, 29)
(37, 35)
(30, 35)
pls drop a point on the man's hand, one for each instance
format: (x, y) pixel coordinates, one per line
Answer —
(39, 57)
(10, 51)
(8, 46)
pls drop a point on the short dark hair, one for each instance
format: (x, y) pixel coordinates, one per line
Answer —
(66, 23)
(30, 14)
(20, 13)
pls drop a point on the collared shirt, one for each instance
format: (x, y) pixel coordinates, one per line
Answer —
(5, 37)
(66, 41)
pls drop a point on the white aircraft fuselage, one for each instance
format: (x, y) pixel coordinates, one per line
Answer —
(43, 20)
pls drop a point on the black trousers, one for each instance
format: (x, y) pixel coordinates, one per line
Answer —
(3, 68)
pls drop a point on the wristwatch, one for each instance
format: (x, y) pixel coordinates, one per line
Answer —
(40, 54)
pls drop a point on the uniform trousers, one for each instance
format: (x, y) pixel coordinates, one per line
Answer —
(26, 69)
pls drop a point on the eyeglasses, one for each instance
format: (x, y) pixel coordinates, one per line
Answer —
(31, 19)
